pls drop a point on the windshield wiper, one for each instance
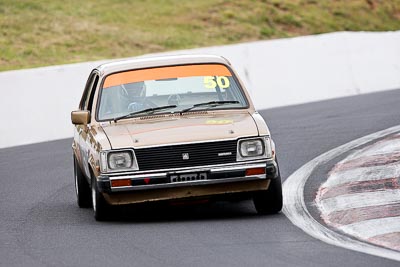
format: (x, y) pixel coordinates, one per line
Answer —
(147, 110)
(212, 103)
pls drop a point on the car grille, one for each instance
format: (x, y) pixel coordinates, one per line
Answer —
(199, 154)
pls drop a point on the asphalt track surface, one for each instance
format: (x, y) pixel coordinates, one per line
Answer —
(41, 225)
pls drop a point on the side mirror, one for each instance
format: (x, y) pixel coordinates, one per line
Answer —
(80, 117)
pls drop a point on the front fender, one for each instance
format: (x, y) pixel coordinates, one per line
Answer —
(261, 124)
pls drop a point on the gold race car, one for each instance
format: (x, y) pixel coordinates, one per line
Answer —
(172, 128)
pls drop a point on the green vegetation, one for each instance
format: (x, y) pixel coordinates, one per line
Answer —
(45, 32)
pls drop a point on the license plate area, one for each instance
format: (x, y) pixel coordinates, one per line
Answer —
(188, 177)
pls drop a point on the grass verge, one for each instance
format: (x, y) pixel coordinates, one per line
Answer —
(47, 32)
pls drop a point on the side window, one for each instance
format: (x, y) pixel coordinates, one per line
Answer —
(92, 90)
(86, 92)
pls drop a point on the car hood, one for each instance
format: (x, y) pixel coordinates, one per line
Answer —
(174, 129)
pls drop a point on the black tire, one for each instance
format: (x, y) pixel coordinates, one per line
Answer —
(82, 189)
(100, 206)
(269, 201)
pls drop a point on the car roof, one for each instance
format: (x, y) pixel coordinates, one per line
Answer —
(159, 61)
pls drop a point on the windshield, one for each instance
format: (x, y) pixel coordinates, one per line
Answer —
(184, 86)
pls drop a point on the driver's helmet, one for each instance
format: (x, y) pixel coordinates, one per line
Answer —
(135, 90)
(136, 93)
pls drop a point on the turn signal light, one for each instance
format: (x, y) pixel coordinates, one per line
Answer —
(255, 171)
(121, 182)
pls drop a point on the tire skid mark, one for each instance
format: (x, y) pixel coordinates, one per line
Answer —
(368, 161)
(340, 218)
(362, 174)
(354, 187)
(358, 200)
(390, 144)
(387, 240)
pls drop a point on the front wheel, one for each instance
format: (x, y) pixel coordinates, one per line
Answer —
(82, 188)
(269, 201)
(100, 206)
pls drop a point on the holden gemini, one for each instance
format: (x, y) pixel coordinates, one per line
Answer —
(167, 129)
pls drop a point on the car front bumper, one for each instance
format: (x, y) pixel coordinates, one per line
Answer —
(188, 182)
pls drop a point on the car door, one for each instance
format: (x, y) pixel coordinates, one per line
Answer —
(83, 131)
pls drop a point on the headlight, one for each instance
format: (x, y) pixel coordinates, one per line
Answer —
(254, 148)
(122, 160)
(251, 148)
(119, 160)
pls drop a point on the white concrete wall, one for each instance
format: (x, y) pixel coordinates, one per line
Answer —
(36, 103)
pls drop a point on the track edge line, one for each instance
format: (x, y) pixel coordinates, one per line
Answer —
(296, 211)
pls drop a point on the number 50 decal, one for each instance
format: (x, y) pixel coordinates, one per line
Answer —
(211, 82)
